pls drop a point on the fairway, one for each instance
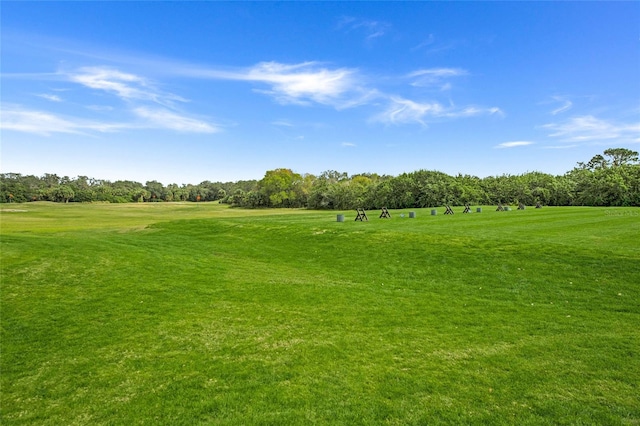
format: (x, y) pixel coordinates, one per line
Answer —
(195, 313)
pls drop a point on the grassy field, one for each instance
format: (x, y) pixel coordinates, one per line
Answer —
(200, 314)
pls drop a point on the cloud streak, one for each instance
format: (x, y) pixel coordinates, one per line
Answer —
(588, 128)
(313, 83)
(44, 123)
(18, 119)
(304, 83)
(513, 144)
(435, 77)
(165, 119)
(49, 97)
(371, 29)
(432, 45)
(565, 104)
(301, 83)
(126, 86)
(148, 106)
(406, 111)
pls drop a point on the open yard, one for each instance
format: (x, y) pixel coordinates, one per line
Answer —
(163, 313)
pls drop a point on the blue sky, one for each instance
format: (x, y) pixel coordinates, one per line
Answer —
(183, 92)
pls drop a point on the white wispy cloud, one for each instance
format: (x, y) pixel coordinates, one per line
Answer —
(19, 119)
(102, 108)
(513, 144)
(38, 122)
(588, 128)
(402, 111)
(348, 144)
(406, 111)
(430, 40)
(304, 83)
(435, 77)
(433, 44)
(282, 123)
(45, 123)
(566, 105)
(299, 83)
(472, 111)
(50, 97)
(124, 85)
(147, 107)
(310, 83)
(165, 119)
(370, 28)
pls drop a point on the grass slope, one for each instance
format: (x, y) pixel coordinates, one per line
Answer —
(200, 314)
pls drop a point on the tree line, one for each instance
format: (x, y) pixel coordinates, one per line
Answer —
(610, 179)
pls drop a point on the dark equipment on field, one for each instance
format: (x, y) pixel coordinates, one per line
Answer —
(361, 215)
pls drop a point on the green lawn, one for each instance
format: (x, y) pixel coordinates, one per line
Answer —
(201, 314)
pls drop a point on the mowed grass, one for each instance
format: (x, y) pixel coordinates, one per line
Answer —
(201, 314)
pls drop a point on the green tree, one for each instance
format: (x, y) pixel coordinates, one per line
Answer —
(610, 181)
(282, 188)
(156, 190)
(322, 191)
(621, 156)
(104, 192)
(13, 188)
(61, 193)
(50, 180)
(469, 189)
(238, 198)
(597, 162)
(83, 189)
